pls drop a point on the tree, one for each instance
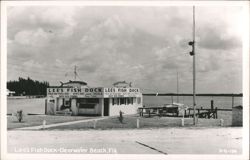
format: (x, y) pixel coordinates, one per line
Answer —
(28, 87)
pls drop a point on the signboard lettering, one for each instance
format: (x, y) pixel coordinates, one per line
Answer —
(93, 92)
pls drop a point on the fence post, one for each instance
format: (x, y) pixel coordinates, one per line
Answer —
(216, 111)
(212, 104)
(44, 123)
(45, 106)
(221, 122)
(94, 124)
(182, 122)
(138, 123)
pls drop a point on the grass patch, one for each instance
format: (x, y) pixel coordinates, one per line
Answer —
(130, 122)
(36, 120)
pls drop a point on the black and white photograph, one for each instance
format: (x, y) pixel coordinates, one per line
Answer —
(129, 80)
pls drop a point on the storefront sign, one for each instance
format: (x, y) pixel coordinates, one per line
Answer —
(121, 92)
(93, 92)
(75, 92)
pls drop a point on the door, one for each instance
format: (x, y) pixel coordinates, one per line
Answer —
(106, 107)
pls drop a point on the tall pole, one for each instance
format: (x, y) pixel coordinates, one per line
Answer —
(75, 73)
(177, 88)
(194, 94)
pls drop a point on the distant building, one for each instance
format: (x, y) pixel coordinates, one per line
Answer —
(10, 93)
(76, 98)
(237, 116)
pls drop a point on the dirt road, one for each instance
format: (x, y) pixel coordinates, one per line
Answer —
(142, 141)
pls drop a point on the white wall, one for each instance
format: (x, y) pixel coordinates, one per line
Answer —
(126, 109)
(50, 108)
(237, 117)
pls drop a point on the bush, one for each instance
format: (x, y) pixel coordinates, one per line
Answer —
(121, 117)
(19, 115)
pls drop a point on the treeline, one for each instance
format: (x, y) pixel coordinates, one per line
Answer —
(27, 87)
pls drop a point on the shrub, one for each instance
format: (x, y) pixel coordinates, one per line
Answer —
(121, 117)
(19, 115)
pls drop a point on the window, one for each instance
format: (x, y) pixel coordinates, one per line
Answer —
(122, 101)
(130, 100)
(115, 101)
(67, 103)
(88, 100)
(92, 100)
(88, 103)
(134, 99)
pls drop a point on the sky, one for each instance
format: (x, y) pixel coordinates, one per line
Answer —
(147, 46)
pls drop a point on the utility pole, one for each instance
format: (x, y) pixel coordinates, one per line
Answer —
(177, 88)
(192, 53)
(194, 76)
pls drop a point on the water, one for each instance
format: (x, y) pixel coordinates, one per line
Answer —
(32, 105)
(37, 105)
(201, 101)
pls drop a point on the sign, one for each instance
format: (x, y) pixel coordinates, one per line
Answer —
(93, 92)
(121, 92)
(75, 92)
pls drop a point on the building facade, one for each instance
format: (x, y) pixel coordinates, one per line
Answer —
(99, 101)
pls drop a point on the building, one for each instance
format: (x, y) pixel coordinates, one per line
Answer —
(237, 116)
(10, 93)
(76, 98)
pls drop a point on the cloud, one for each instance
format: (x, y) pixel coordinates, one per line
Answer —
(56, 20)
(32, 63)
(144, 45)
(35, 38)
(110, 33)
(217, 38)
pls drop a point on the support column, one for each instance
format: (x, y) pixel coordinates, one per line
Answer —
(60, 103)
(101, 101)
(74, 107)
(110, 106)
(55, 105)
(46, 102)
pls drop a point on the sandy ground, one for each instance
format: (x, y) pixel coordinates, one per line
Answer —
(142, 141)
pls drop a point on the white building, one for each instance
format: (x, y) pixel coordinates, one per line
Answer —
(78, 99)
(10, 93)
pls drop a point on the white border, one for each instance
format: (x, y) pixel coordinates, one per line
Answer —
(245, 79)
(3, 79)
(245, 61)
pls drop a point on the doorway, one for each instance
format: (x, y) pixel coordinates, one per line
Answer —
(106, 106)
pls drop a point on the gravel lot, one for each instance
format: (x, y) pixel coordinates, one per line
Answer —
(131, 141)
